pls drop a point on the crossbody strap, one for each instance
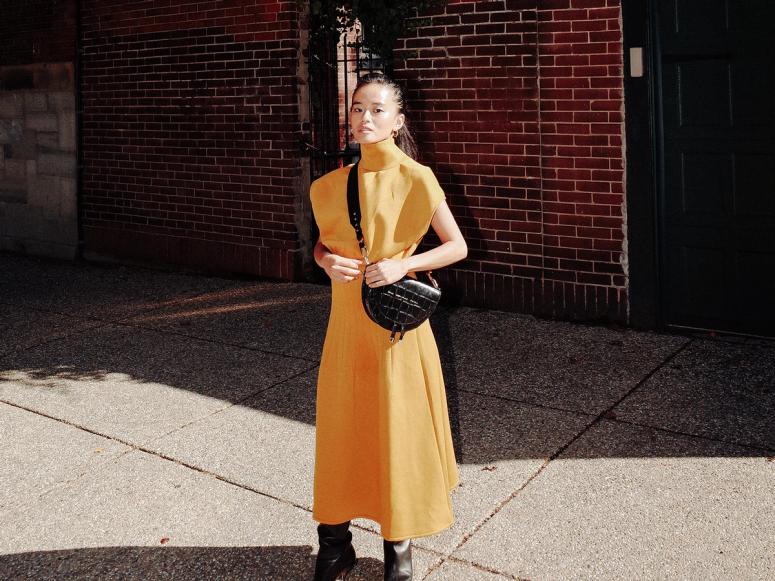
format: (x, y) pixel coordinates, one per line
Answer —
(354, 212)
(354, 209)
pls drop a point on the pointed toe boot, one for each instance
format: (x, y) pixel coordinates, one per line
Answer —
(336, 556)
(398, 560)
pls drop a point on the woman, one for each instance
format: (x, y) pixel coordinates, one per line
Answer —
(383, 441)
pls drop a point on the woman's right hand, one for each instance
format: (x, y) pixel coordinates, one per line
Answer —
(340, 268)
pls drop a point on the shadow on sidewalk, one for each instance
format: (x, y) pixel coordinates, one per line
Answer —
(518, 387)
(182, 563)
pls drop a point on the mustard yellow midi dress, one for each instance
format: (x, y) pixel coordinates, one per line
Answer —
(383, 448)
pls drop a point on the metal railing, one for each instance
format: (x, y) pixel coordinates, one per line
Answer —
(333, 75)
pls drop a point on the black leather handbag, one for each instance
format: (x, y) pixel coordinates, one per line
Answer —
(402, 305)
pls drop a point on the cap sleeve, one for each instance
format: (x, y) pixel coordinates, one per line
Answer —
(426, 197)
(314, 197)
(329, 206)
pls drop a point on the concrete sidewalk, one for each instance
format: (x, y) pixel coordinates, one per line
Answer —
(159, 425)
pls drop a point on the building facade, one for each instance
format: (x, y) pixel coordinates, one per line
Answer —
(606, 161)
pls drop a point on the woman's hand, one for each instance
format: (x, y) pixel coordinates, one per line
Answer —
(385, 271)
(341, 268)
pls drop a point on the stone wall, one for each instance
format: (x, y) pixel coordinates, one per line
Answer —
(38, 160)
(38, 128)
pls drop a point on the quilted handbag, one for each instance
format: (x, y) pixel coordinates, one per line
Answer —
(402, 305)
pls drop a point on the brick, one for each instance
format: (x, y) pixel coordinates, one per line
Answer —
(11, 105)
(575, 219)
(589, 25)
(41, 121)
(66, 125)
(607, 36)
(590, 278)
(35, 102)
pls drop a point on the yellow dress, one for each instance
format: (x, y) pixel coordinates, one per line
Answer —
(383, 448)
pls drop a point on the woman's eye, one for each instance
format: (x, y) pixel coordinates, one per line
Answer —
(378, 110)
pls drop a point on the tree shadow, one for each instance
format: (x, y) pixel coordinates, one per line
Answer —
(294, 563)
(517, 387)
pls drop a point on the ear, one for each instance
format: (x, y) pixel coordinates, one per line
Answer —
(400, 119)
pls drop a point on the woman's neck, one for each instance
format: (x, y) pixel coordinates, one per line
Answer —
(381, 155)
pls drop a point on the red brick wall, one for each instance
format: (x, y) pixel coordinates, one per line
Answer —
(190, 130)
(520, 104)
(191, 123)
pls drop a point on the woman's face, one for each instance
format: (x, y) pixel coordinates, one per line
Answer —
(374, 113)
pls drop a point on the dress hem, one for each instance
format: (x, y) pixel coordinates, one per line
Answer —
(392, 537)
(376, 520)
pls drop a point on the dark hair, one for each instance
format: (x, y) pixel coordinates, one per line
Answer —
(403, 138)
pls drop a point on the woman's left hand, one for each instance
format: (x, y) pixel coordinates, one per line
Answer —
(385, 271)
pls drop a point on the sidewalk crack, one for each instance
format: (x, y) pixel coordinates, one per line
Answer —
(599, 417)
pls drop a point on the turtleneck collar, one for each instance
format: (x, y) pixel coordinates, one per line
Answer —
(381, 155)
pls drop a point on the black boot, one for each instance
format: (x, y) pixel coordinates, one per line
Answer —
(398, 560)
(336, 556)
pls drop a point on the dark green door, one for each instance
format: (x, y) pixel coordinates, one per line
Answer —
(716, 76)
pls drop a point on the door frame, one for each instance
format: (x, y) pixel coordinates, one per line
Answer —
(643, 169)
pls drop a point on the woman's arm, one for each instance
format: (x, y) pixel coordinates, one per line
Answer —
(338, 268)
(453, 246)
(320, 253)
